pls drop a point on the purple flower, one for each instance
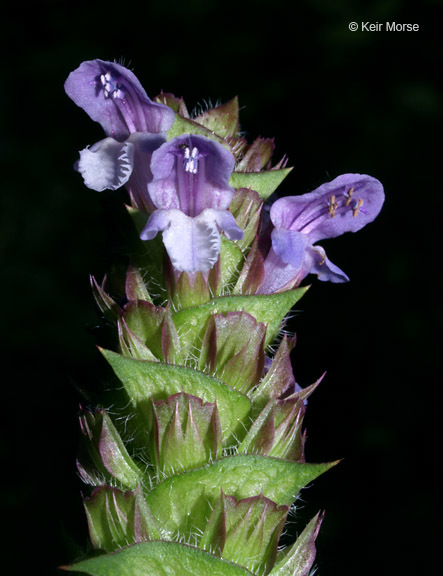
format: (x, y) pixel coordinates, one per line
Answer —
(134, 125)
(191, 193)
(346, 204)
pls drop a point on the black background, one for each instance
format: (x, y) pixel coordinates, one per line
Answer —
(336, 101)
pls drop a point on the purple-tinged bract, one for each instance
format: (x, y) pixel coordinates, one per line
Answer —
(191, 193)
(346, 204)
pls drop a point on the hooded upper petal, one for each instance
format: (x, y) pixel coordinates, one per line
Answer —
(191, 174)
(346, 204)
(112, 95)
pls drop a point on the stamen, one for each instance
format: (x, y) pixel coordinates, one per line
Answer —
(332, 206)
(349, 196)
(191, 160)
(111, 87)
(118, 93)
(357, 207)
(322, 256)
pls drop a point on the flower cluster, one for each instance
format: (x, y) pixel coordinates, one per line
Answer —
(183, 184)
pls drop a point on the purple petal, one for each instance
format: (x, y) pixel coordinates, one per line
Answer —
(107, 164)
(158, 221)
(193, 244)
(278, 276)
(317, 262)
(110, 164)
(284, 262)
(191, 174)
(292, 258)
(290, 246)
(144, 145)
(346, 204)
(226, 222)
(111, 95)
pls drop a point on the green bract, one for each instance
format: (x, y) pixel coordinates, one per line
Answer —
(158, 559)
(267, 308)
(145, 381)
(238, 476)
(264, 183)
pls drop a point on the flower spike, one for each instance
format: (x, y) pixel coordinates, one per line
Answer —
(197, 466)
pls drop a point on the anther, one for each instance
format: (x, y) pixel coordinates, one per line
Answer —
(111, 88)
(105, 78)
(349, 196)
(191, 160)
(332, 206)
(357, 207)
